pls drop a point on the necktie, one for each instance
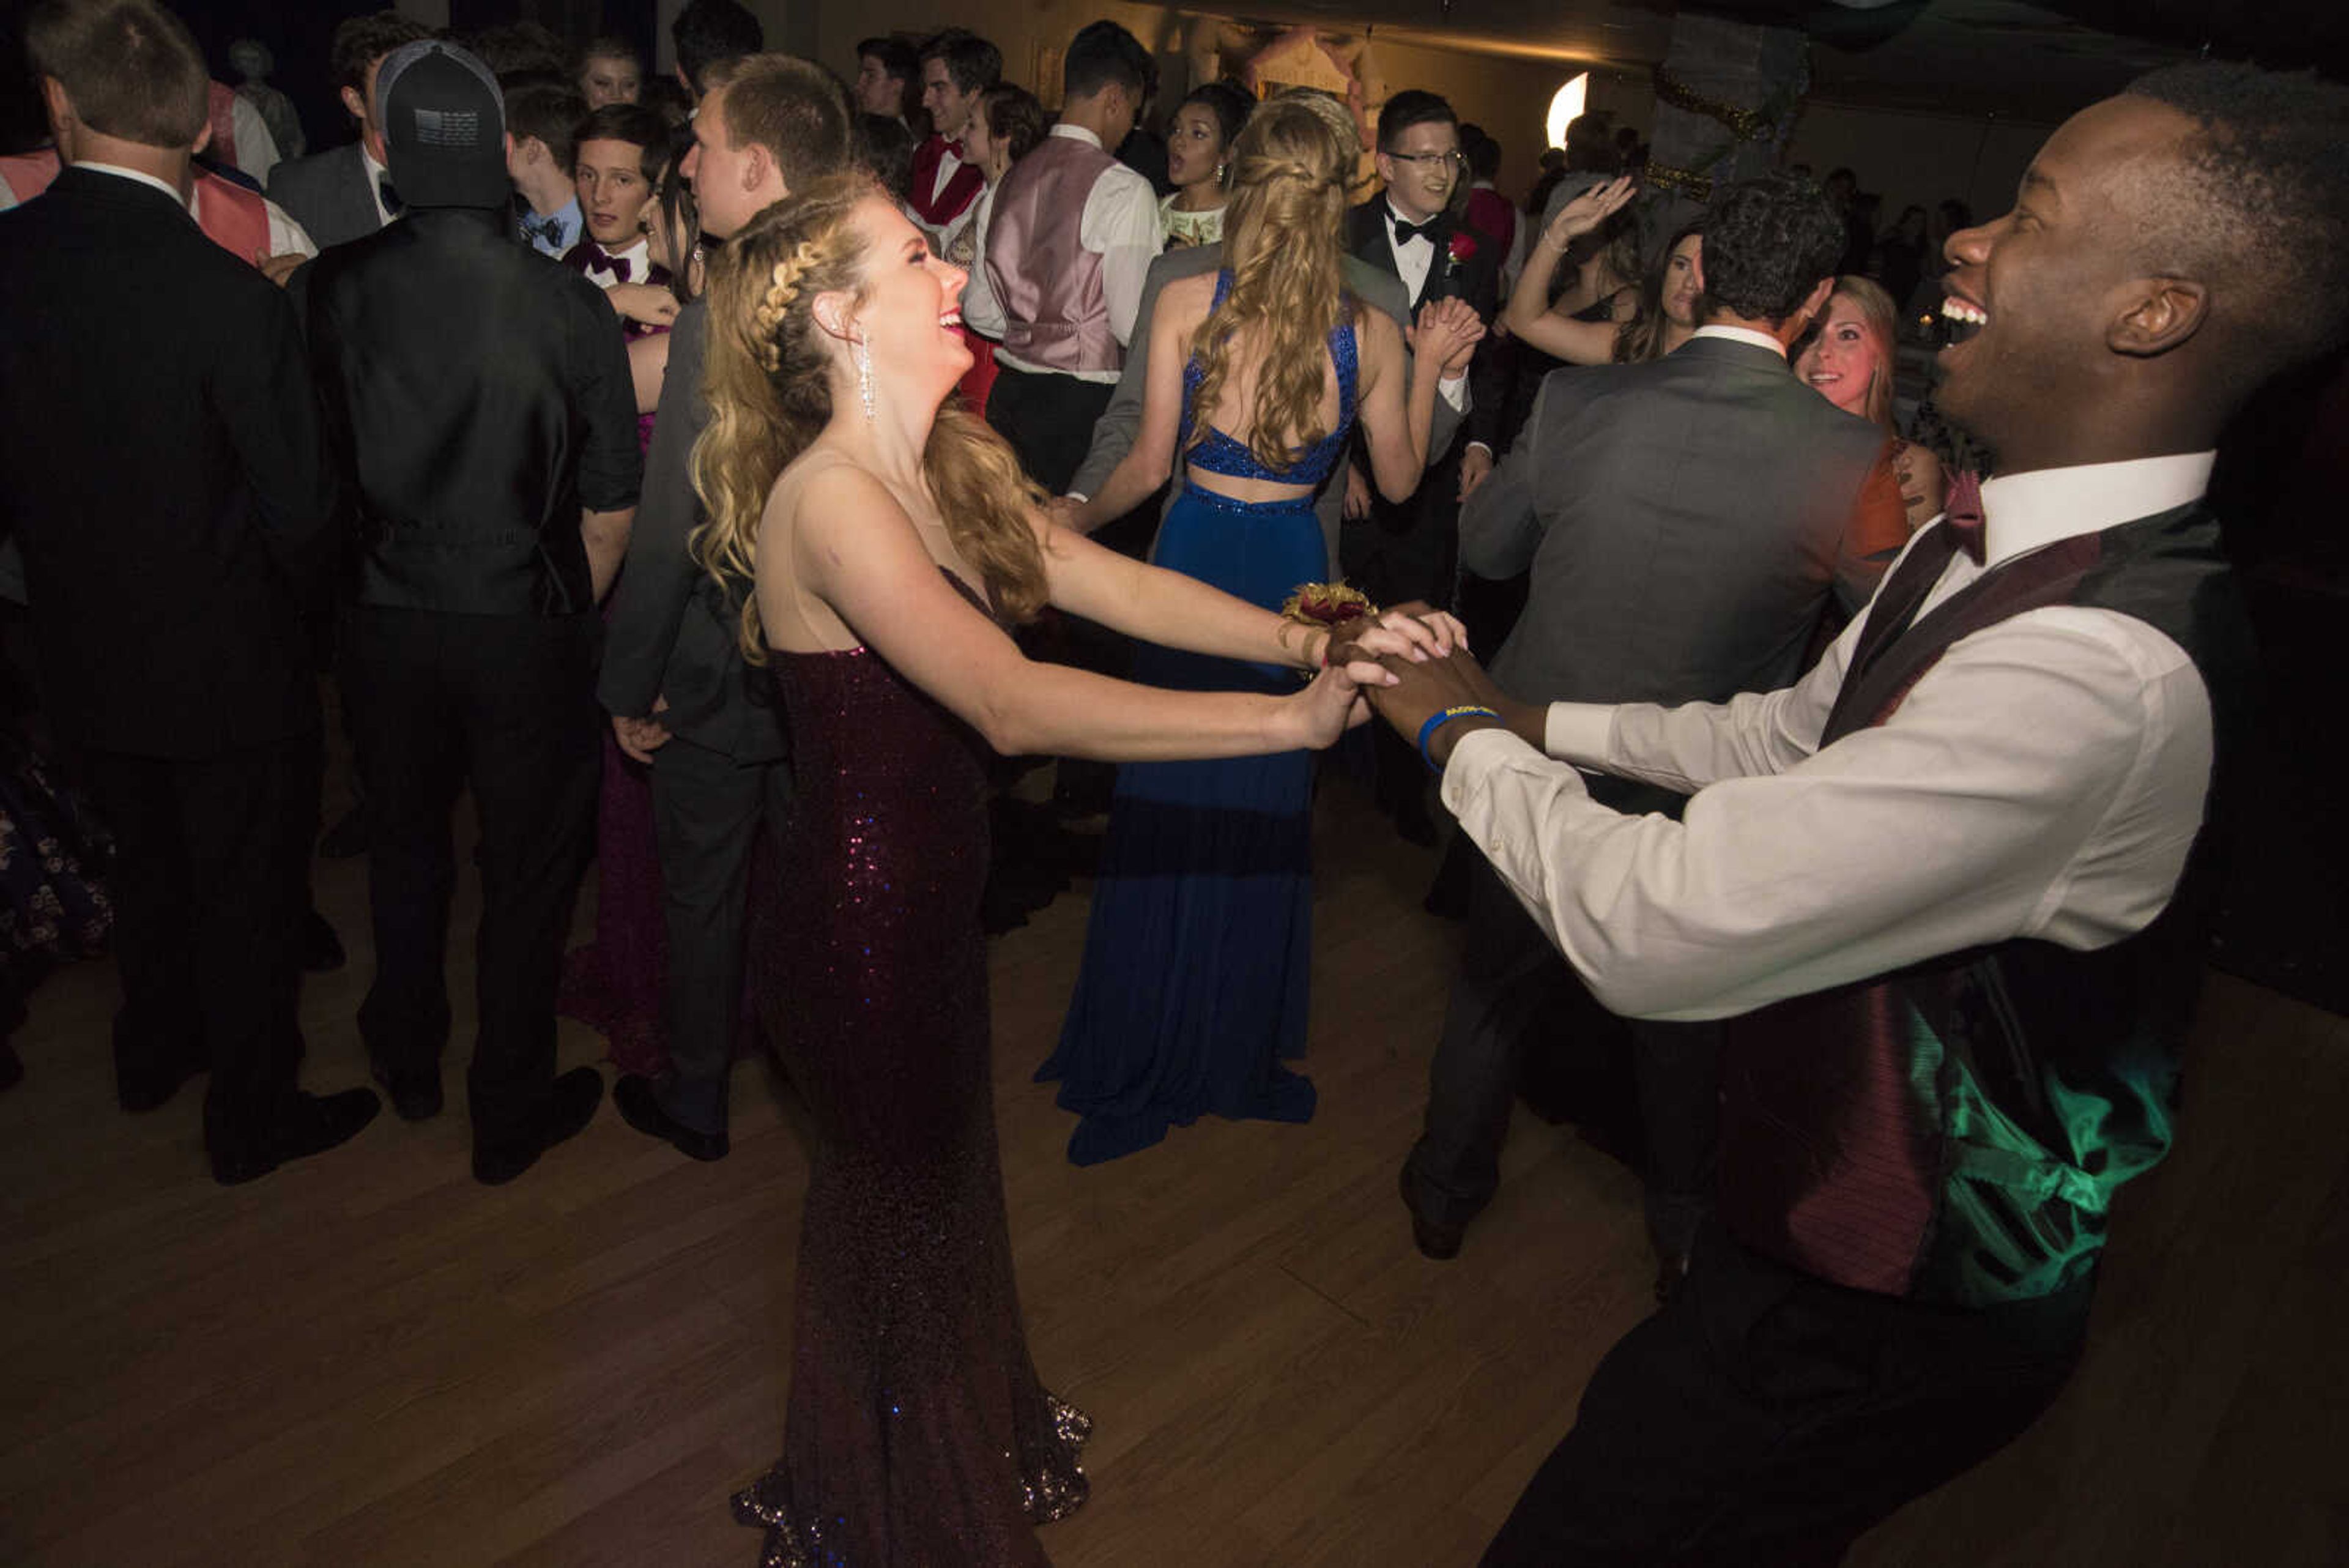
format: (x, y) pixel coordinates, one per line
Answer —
(1406, 233)
(1962, 517)
(602, 261)
(391, 202)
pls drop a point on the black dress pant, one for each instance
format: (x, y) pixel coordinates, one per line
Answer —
(1764, 1419)
(1405, 551)
(211, 882)
(1516, 994)
(707, 811)
(506, 705)
(1048, 420)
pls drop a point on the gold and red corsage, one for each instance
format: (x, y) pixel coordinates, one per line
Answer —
(1326, 606)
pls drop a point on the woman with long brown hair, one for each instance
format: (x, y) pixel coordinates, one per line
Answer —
(1193, 989)
(888, 543)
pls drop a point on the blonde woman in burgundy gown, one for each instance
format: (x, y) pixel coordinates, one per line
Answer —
(890, 543)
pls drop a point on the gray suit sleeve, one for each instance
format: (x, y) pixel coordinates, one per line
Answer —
(661, 575)
(1498, 528)
(1114, 432)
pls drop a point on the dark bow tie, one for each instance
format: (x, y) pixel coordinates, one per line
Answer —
(391, 202)
(549, 230)
(1406, 233)
(1962, 517)
(603, 261)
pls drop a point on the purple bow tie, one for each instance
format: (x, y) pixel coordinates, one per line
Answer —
(601, 260)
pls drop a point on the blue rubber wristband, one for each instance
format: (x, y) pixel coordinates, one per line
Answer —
(1437, 720)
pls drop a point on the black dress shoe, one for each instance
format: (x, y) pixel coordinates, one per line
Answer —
(322, 950)
(415, 1091)
(569, 1109)
(639, 1106)
(1434, 1240)
(316, 1124)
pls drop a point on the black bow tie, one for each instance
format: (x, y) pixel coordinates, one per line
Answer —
(391, 202)
(1406, 233)
(601, 260)
(547, 229)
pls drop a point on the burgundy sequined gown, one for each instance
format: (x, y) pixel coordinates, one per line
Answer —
(918, 1435)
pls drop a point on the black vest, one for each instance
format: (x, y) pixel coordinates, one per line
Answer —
(1953, 1132)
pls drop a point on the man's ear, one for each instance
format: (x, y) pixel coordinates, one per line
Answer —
(2159, 314)
(60, 104)
(354, 103)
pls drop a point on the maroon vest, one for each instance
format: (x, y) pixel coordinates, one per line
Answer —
(940, 209)
(1950, 1132)
(1050, 285)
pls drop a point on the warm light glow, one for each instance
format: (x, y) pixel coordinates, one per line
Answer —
(1566, 107)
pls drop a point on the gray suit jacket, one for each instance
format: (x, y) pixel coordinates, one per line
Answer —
(671, 631)
(1114, 433)
(327, 194)
(1685, 522)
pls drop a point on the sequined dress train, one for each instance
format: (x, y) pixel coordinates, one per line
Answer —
(918, 1435)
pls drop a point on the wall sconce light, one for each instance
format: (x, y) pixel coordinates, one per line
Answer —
(1566, 107)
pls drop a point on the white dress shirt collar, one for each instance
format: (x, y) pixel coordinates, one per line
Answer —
(2022, 512)
(119, 173)
(1743, 335)
(1396, 216)
(1079, 133)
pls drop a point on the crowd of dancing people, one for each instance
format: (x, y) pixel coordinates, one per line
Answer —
(741, 480)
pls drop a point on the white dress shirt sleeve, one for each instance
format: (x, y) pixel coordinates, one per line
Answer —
(981, 311)
(286, 236)
(2045, 779)
(1121, 226)
(256, 149)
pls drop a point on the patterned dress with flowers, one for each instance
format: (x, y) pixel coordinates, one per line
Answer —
(54, 857)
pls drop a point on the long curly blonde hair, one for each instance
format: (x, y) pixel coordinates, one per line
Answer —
(766, 378)
(1281, 244)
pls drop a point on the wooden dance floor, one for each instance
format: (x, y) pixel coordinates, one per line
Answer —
(367, 1360)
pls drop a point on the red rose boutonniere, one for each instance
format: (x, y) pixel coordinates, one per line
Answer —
(1462, 246)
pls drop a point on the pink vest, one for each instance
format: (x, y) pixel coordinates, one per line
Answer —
(1050, 285)
(231, 217)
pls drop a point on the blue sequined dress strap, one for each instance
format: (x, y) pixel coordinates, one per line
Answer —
(1220, 453)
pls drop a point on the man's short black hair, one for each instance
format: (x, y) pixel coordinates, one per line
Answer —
(881, 143)
(361, 41)
(1767, 242)
(630, 122)
(1102, 55)
(898, 61)
(972, 64)
(2261, 206)
(708, 31)
(1409, 108)
(549, 110)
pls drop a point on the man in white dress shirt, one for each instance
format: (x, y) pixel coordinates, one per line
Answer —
(957, 70)
(1069, 241)
(345, 193)
(1949, 889)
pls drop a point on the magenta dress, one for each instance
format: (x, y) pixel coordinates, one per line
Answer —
(918, 1435)
(614, 984)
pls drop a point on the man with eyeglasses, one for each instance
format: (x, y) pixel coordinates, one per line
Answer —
(1399, 551)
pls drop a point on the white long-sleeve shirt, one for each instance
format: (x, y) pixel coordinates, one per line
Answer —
(2044, 779)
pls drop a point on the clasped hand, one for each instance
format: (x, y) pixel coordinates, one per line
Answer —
(1366, 655)
(1447, 333)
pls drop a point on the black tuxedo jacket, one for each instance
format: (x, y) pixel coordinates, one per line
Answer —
(327, 194)
(163, 475)
(1474, 275)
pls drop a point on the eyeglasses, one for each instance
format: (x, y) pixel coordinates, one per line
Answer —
(1452, 161)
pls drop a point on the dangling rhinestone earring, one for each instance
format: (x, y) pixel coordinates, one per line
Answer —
(864, 377)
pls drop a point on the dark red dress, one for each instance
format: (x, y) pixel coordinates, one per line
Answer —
(918, 1435)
